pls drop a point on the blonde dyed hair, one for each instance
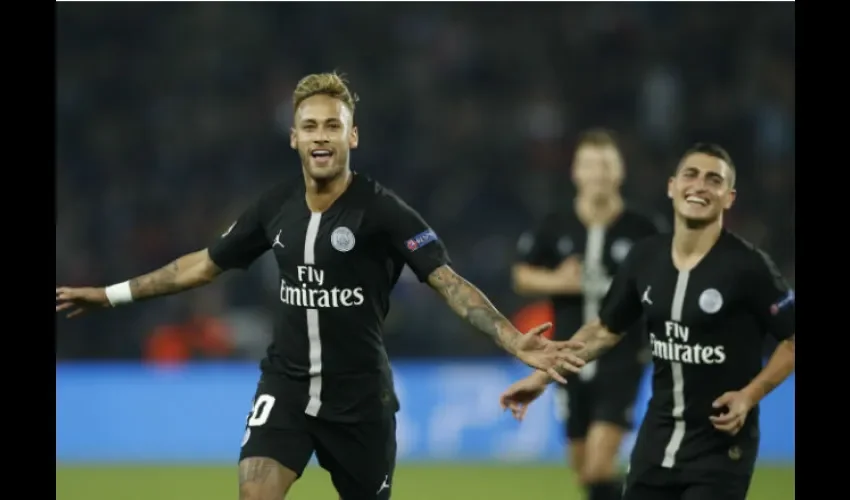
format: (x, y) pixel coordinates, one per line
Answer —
(329, 84)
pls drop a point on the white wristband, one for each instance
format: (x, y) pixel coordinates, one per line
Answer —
(119, 294)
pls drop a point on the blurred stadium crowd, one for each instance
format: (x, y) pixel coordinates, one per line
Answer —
(171, 117)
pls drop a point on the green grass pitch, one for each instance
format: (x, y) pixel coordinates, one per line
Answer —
(412, 482)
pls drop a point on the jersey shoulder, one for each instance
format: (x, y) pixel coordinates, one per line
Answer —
(381, 204)
(747, 254)
(375, 194)
(374, 189)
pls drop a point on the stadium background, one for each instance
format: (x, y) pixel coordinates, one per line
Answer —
(171, 117)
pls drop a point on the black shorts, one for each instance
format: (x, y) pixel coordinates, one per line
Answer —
(657, 483)
(607, 397)
(360, 456)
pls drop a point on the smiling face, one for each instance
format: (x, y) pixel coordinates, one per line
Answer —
(702, 189)
(323, 134)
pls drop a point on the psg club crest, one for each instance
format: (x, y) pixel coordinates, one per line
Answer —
(342, 239)
(710, 301)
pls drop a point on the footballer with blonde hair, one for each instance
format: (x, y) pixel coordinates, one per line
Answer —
(341, 241)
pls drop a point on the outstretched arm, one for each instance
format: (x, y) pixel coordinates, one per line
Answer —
(243, 242)
(472, 305)
(426, 255)
(187, 272)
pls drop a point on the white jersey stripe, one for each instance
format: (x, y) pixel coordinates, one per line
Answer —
(313, 337)
(678, 379)
(593, 265)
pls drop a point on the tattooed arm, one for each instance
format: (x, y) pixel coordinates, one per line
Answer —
(187, 272)
(190, 271)
(778, 368)
(473, 306)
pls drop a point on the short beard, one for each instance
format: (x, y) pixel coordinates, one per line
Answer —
(327, 175)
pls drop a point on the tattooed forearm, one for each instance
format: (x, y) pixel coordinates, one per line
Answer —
(189, 271)
(163, 281)
(471, 304)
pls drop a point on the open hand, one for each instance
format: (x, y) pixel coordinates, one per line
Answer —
(539, 352)
(78, 300)
(737, 404)
(521, 394)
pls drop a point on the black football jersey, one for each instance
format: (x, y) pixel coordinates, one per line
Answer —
(706, 330)
(337, 269)
(601, 249)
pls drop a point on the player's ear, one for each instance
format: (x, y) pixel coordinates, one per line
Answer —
(670, 183)
(730, 199)
(353, 137)
(292, 142)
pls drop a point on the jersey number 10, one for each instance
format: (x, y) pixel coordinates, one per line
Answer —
(261, 410)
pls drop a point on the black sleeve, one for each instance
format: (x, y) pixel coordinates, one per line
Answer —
(772, 298)
(534, 247)
(621, 307)
(243, 242)
(411, 236)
